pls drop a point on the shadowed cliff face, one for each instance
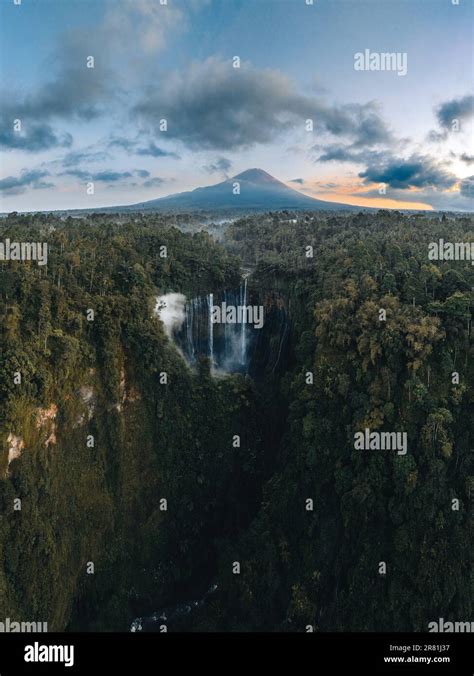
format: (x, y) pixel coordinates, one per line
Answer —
(270, 352)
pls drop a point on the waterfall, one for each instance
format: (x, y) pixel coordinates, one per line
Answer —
(225, 330)
(227, 342)
(189, 326)
(211, 328)
(244, 317)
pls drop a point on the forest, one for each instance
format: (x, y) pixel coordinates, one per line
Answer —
(122, 489)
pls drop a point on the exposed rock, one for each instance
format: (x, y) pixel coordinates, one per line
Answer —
(43, 415)
(86, 393)
(133, 394)
(16, 445)
(122, 385)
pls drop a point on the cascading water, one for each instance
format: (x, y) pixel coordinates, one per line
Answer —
(225, 341)
(211, 328)
(225, 329)
(243, 326)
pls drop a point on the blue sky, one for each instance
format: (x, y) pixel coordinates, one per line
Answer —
(378, 138)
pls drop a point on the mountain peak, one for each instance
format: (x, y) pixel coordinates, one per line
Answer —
(256, 176)
(259, 192)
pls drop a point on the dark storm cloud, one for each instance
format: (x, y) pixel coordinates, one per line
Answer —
(215, 106)
(415, 172)
(455, 109)
(74, 93)
(32, 138)
(362, 122)
(16, 185)
(220, 165)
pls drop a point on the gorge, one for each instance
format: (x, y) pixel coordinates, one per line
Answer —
(141, 475)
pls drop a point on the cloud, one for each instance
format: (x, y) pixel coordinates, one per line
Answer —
(336, 152)
(106, 176)
(437, 136)
(153, 182)
(297, 180)
(363, 122)
(313, 186)
(16, 185)
(339, 153)
(220, 165)
(467, 187)
(468, 159)
(32, 138)
(76, 92)
(109, 176)
(326, 186)
(143, 23)
(77, 173)
(137, 28)
(132, 148)
(417, 171)
(212, 105)
(460, 109)
(452, 200)
(121, 142)
(78, 156)
(153, 150)
(455, 109)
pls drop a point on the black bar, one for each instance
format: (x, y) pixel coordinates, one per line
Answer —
(364, 653)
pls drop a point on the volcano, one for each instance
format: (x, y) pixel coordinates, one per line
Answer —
(256, 191)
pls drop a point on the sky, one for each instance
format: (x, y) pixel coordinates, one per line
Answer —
(187, 93)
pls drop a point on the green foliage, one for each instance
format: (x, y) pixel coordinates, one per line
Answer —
(174, 441)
